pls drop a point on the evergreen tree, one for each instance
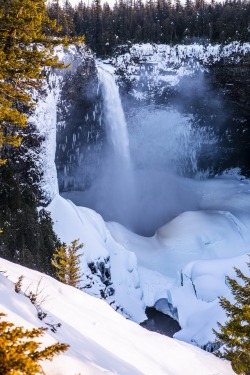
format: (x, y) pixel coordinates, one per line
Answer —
(56, 13)
(97, 24)
(20, 354)
(161, 21)
(67, 263)
(68, 22)
(27, 236)
(48, 242)
(235, 333)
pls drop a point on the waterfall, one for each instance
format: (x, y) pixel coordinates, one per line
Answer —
(134, 178)
(114, 118)
(116, 188)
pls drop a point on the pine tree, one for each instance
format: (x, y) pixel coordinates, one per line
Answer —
(20, 354)
(48, 242)
(235, 333)
(27, 237)
(67, 262)
(97, 25)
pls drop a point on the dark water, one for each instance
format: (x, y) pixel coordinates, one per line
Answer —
(161, 323)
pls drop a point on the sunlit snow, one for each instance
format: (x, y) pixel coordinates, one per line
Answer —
(101, 341)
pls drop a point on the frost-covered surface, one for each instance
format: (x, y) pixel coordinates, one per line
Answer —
(45, 119)
(45, 116)
(197, 249)
(101, 341)
(155, 65)
(167, 54)
(184, 264)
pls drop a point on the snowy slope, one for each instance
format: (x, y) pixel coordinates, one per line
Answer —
(71, 222)
(101, 341)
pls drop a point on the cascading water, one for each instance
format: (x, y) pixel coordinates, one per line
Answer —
(114, 191)
(114, 118)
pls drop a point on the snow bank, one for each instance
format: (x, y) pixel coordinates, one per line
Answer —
(72, 222)
(187, 260)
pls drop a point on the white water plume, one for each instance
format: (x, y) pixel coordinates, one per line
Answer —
(115, 122)
(115, 188)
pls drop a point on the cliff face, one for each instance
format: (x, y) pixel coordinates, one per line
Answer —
(212, 84)
(79, 125)
(62, 116)
(234, 80)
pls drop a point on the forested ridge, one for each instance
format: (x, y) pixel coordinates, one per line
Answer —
(159, 21)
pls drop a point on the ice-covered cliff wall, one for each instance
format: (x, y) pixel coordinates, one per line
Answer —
(210, 83)
(57, 117)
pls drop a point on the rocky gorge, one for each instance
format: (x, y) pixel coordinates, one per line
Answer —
(187, 122)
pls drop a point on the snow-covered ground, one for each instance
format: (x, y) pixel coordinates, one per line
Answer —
(101, 341)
